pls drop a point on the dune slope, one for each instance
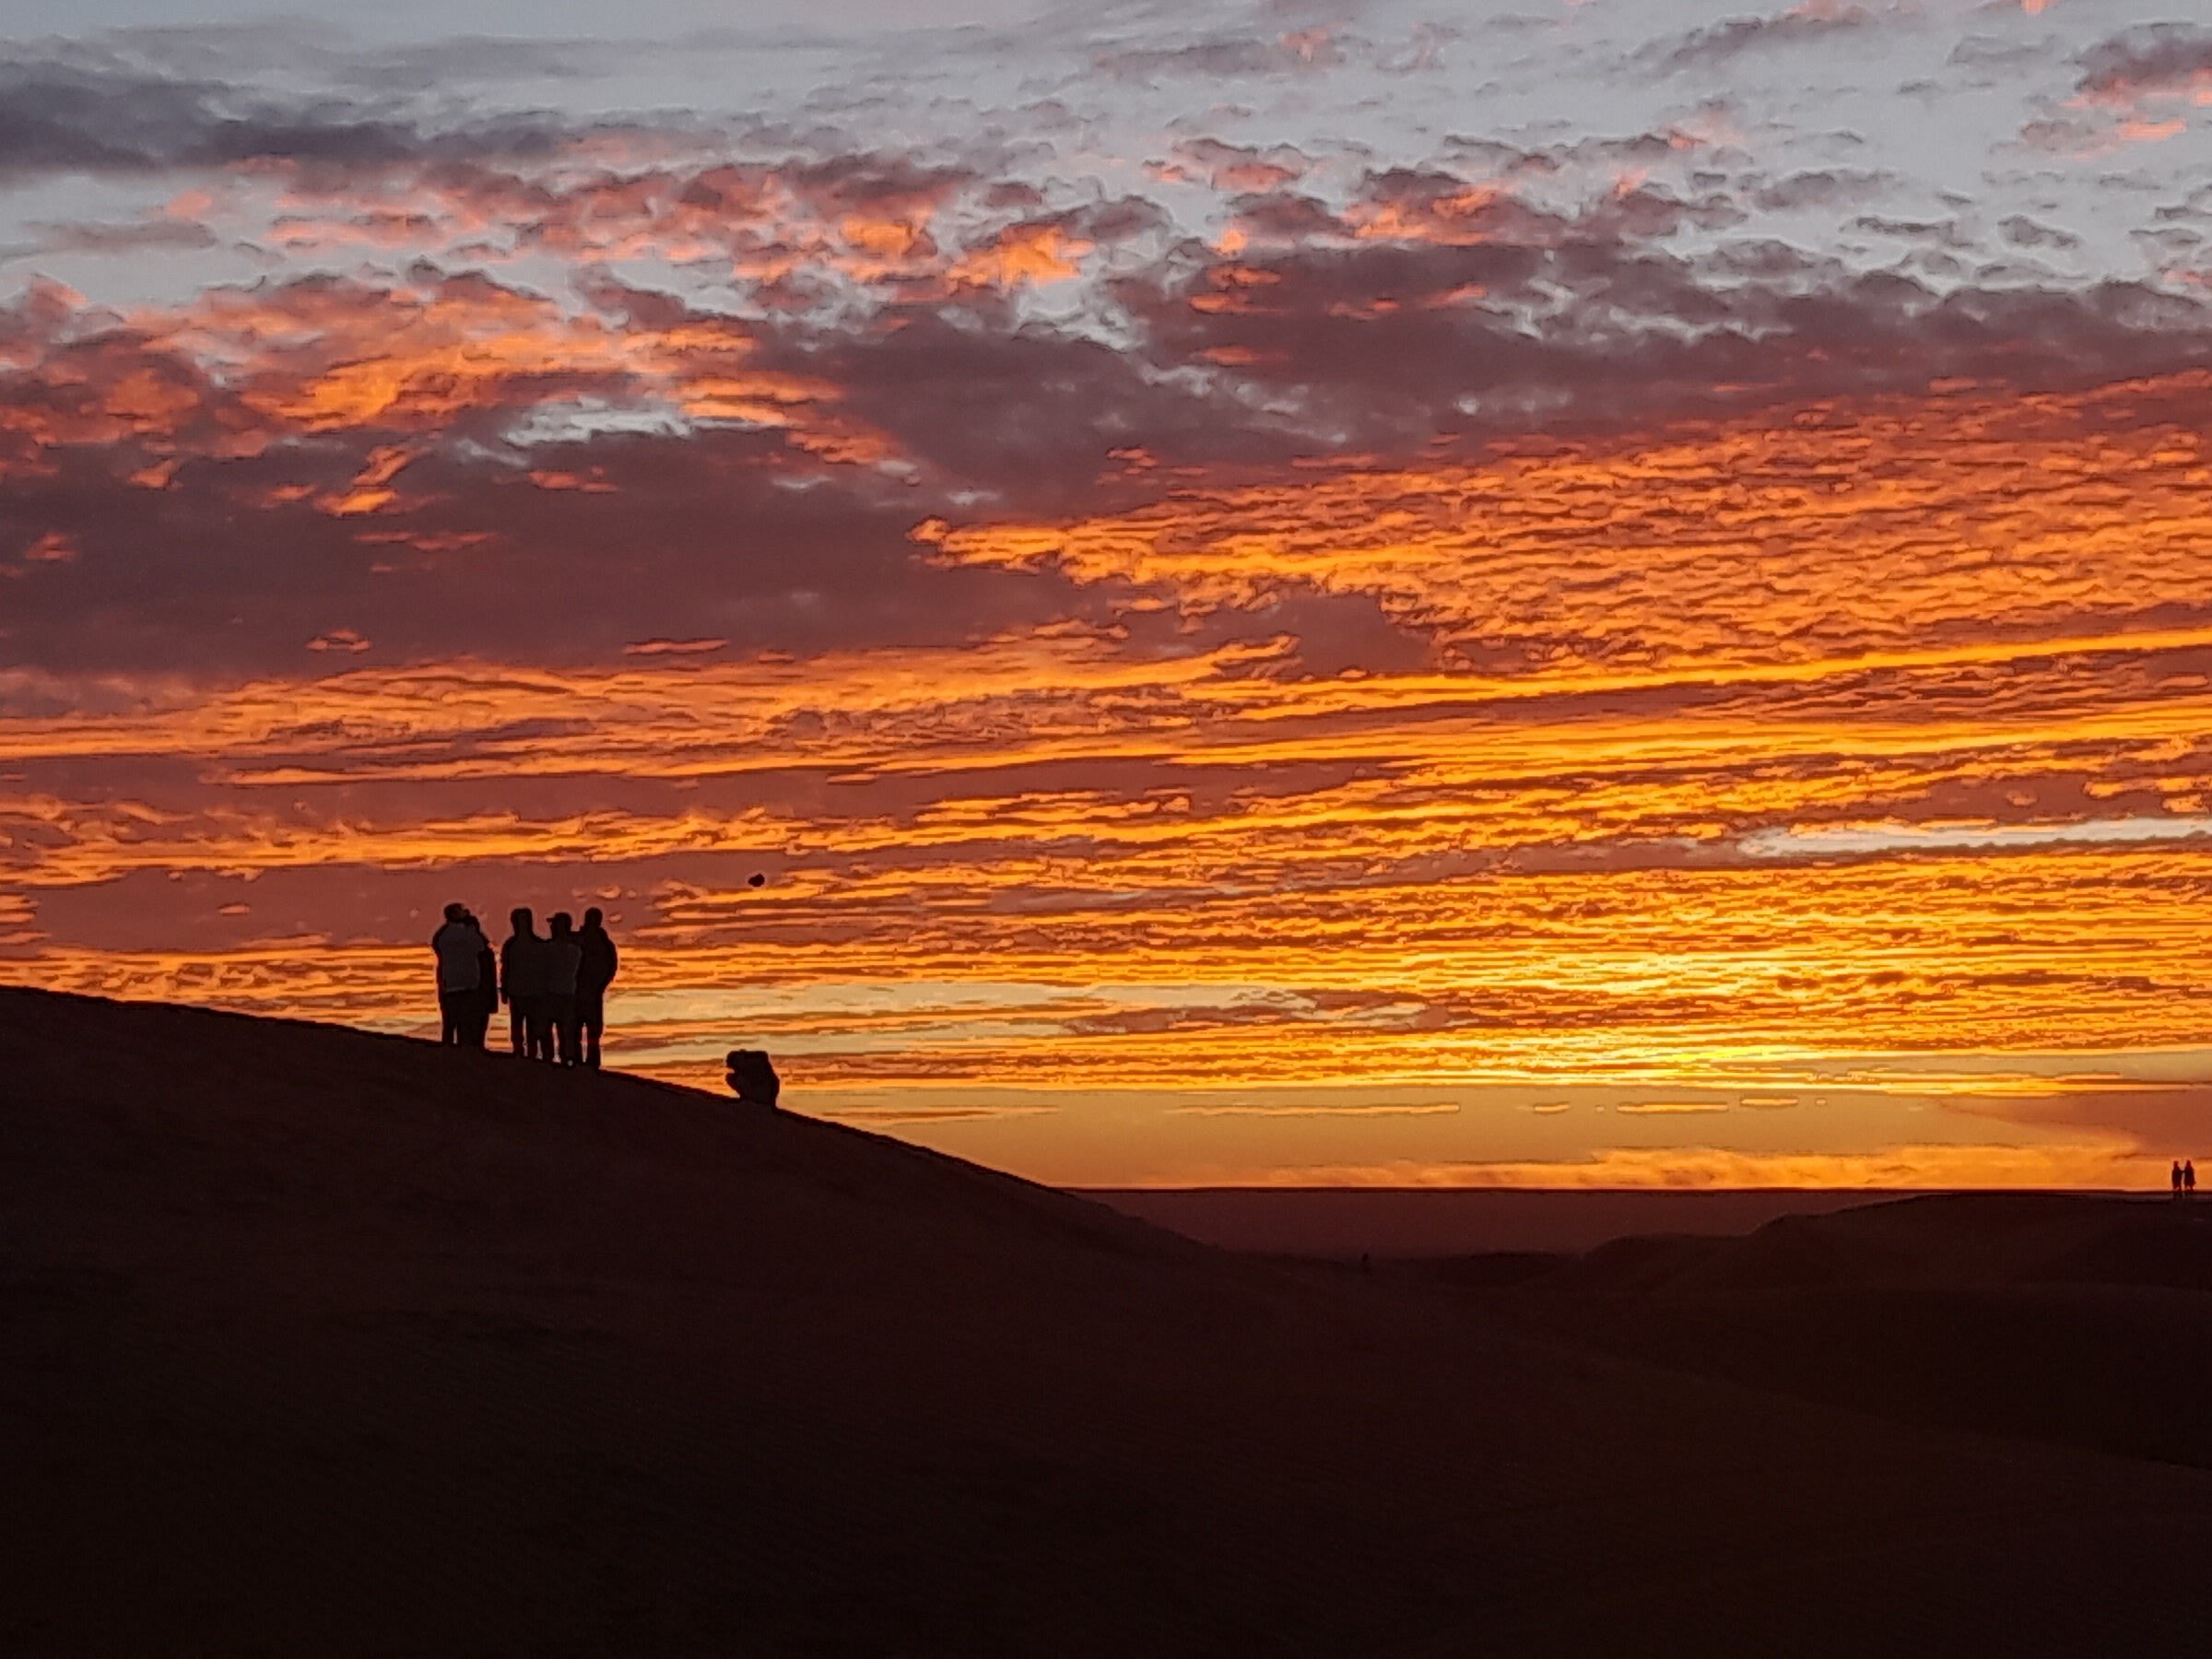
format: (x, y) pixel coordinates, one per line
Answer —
(318, 1342)
(2079, 1319)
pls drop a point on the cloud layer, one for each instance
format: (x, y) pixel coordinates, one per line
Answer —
(1381, 552)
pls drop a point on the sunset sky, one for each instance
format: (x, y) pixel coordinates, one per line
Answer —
(1501, 592)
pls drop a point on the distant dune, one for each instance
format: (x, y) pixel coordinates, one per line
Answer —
(1346, 1223)
(2081, 1320)
(319, 1342)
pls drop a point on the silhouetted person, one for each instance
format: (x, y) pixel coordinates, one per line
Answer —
(564, 962)
(460, 945)
(2188, 1177)
(592, 981)
(753, 1077)
(523, 981)
(487, 989)
(2176, 1178)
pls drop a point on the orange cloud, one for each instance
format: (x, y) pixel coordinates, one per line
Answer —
(1031, 253)
(1842, 532)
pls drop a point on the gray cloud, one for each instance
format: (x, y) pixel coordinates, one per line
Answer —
(2024, 232)
(2160, 58)
(1225, 56)
(1819, 187)
(1719, 42)
(61, 118)
(137, 236)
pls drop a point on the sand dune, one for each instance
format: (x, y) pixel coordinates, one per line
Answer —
(318, 1342)
(2081, 1320)
(1346, 1223)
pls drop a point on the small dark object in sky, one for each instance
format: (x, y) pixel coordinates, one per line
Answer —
(755, 880)
(753, 1076)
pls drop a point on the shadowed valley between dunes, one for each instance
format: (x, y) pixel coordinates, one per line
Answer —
(313, 1341)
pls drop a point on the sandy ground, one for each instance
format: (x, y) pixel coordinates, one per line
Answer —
(313, 1342)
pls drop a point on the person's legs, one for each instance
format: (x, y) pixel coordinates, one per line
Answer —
(518, 1025)
(452, 1016)
(564, 1029)
(539, 1016)
(591, 1023)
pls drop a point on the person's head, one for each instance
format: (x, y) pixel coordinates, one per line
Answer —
(560, 921)
(592, 918)
(522, 919)
(456, 912)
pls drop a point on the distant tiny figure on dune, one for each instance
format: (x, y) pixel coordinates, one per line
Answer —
(2176, 1178)
(461, 948)
(593, 978)
(2188, 1178)
(753, 1077)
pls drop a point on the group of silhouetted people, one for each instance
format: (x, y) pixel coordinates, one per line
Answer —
(554, 984)
(2185, 1179)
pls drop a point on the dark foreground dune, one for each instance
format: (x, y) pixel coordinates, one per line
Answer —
(2081, 1320)
(312, 1342)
